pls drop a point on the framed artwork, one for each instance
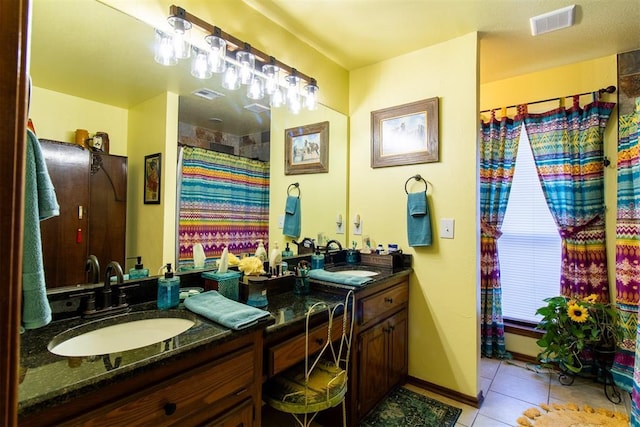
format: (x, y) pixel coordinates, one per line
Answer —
(405, 135)
(152, 178)
(307, 149)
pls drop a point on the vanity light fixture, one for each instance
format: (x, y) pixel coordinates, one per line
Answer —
(241, 63)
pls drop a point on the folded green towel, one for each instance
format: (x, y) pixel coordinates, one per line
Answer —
(222, 310)
(342, 277)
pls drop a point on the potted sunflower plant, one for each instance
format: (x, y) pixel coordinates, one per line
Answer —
(575, 329)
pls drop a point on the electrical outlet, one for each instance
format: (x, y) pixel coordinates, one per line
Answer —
(446, 228)
(280, 221)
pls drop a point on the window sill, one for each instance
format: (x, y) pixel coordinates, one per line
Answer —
(525, 329)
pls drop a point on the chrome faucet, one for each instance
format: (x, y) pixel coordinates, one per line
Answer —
(106, 289)
(93, 268)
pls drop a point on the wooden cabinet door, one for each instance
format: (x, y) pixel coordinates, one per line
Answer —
(397, 330)
(373, 367)
(65, 237)
(241, 416)
(108, 216)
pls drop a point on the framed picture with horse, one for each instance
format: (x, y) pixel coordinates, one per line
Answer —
(307, 149)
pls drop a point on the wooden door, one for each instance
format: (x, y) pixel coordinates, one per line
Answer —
(398, 329)
(65, 237)
(108, 216)
(372, 367)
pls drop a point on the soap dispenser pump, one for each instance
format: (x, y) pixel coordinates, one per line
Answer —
(287, 251)
(261, 252)
(317, 261)
(138, 272)
(168, 290)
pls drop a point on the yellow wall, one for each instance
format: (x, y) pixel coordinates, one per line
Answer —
(151, 228)
(57, 116)
(444, 297)
(323, 195)
(571, 79)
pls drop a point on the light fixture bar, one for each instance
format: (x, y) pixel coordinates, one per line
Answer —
(234, 44)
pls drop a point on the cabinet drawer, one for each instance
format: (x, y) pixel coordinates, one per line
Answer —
(386, 301)
(176, 399)
(288, 353)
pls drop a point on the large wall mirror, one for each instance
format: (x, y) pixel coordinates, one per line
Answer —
(94, 53)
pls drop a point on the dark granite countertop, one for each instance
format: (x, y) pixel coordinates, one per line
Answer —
(47, 379)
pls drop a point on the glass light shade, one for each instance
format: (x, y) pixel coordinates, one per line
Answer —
(293, 96)
(270, 72)
(181, 36)
(231, 79)
(200, 64)
(277, 98)
(246, 61)
(311, 99)
(255, 89)
(163, 49)
(218, 54)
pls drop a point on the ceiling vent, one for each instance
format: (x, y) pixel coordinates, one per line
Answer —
(552, 21)
(207, 93)
(256, 108)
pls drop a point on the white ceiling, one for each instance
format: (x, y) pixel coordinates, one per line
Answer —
(79, 46)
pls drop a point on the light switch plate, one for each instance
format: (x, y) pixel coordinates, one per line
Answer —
(281, 221)
(340, 228)
(446, 228)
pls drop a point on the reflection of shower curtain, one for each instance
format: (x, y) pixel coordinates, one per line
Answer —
(224, 202)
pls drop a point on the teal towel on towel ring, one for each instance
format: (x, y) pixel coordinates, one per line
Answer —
(418, 220)
(292, 218)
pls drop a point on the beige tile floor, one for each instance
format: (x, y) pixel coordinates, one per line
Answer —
(509, 388)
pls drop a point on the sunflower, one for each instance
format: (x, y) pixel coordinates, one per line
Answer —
(592, 299)
(577, 313)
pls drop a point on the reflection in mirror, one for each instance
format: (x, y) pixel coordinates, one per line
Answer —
(96, 77)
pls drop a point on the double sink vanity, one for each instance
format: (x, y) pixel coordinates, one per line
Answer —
(197, 372)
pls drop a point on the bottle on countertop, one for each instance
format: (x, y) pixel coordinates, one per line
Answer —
(287, 252)
(275, 260)
(168, 290)
(317, 260)
(138, 272)
(261, 252)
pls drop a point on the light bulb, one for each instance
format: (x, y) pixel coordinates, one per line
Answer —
(164, 52)
(271, 77)
(311, 100)
(255, 90)
(218, 54)
(181, 30)
(246, 61)
(200, 64)
(231, 79)
(277, 99)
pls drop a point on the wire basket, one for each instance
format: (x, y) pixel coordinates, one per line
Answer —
(228, 283)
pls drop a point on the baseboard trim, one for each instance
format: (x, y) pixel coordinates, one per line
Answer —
(475, 401)
(524, 357)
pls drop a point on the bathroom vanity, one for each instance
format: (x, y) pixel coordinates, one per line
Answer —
(211, 375)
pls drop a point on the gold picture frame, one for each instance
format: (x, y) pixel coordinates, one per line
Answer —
(405, 135)
(152, 178)
(307, 149)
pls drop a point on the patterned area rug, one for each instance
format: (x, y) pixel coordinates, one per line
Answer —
(404, 408)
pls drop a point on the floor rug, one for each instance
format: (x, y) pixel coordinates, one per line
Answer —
(571, 415)
(404, 408)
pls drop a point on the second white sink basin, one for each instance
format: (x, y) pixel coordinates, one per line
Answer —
(359, 273)
(120, 337)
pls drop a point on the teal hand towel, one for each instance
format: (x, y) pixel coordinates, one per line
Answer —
(224, 311)
(292, 217)
(40, 203)
(418, 220)
(342, 278)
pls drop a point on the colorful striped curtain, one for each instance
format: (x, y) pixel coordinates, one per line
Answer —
(224, 202)
(567, 147)
(628, 255)
(498, 150)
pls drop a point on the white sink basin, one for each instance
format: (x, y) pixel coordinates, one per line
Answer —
(122, 336)
(359, 273)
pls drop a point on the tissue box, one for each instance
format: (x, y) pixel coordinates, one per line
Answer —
(394, 260)
(225, 283)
